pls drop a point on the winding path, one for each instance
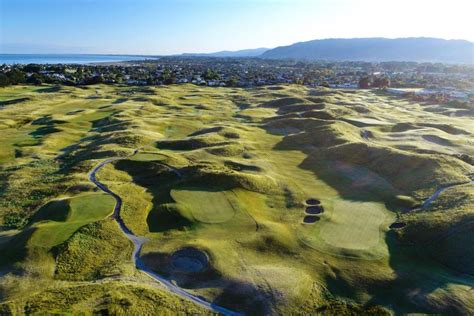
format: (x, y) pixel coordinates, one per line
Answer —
(138, 242)
(438, 192)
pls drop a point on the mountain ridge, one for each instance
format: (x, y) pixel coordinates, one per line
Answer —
(418, 49)
(252, 52)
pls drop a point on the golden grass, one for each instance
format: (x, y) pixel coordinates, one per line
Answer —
(248, 160)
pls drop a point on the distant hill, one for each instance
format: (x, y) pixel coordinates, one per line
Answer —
(418, 49)
(239, 53)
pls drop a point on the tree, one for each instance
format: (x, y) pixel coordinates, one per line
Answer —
(4, 81)
(16, 76)
(232, 82)
(32, 68)
(94, 80)
(210, 74)
(34, 79)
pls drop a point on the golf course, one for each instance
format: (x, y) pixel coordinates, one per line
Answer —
(273, 200)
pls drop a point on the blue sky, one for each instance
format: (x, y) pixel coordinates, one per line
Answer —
(176, 26)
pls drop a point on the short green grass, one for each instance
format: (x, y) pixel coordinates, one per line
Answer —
(354, 229)
(84, 209)
(207, 206)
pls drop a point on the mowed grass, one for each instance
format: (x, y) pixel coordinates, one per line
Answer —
(82, 210)
(207, 206)
(354, 225)
(350, 228)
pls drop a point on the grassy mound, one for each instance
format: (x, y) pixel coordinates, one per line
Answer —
(456, 248)
(229, 179)
(407, 172)
(110, 298)
(444, 230)
(292, 108)
(277, 103)
(227, 150)
(237, 166)
(95, 251)
(322, 115)
(317, 133)
(226, 132)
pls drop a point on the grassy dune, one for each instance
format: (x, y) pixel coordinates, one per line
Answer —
(231, 173)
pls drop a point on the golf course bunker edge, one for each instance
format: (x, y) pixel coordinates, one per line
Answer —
(397, 225)
(314, 210)
(312, 202)
(310, 219)
(189, 260)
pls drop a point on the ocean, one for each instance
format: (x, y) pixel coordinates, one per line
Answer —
(11, 59)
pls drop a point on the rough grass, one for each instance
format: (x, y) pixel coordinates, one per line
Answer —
(113, 297)
(96, 251)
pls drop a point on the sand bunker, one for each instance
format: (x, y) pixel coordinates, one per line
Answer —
(189, 260)
(397, 225)
(309, 219)
(317, 209)
(313, 202)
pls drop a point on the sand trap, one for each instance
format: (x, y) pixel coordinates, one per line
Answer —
(398, 225)
(317, 209)
(313, 202)
(189, 260)
(309, 219)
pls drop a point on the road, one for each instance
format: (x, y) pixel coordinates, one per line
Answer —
(138, 242)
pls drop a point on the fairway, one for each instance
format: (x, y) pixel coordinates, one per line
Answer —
(83, 209)
(207, 206)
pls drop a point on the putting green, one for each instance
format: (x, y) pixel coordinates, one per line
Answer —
(207, 206)
(349, 228)
(354, 225)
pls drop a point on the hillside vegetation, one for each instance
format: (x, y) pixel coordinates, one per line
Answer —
(271, 200)
(416, 49)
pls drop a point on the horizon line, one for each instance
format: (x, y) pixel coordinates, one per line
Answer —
(236, 50)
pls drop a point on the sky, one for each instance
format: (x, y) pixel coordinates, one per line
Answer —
(160, 27)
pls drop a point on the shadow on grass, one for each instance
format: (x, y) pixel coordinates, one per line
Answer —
(14, 101)
(158, 180)
(53, 211)
(416, 277)
(16, 250)
(234, 294)
(120, 100)
(49, 89)
(43, 131)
